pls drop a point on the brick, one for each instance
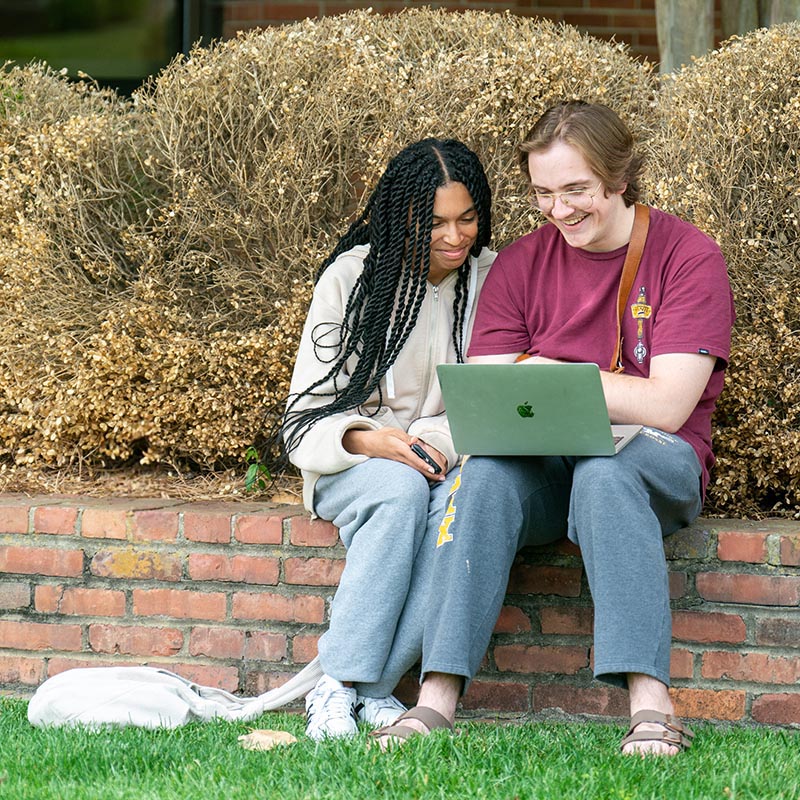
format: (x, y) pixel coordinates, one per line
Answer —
(742, 546)
(602, 700)
(751, 667)
(778, 632)
(86, 602)
(41, 561)
(136, 564)
(633, 21)
(105, 523)
(216, 642)
(777, 709)
(154, 525)
(313, 571)
(751, 589)
(14, 518)
(681, 663)
(567, 548)
(226, 678)
(512, 620)
(708, 704)
(57, 520)
(790, 550)
(702, 626)
(571, 620)
(259, 681)
(407, 689)
(179, 604)
(278, 608)
(304, 648)
(262, 646)
(535, 659)
(135, 640)
(691, 543)
(58, 664)
(14, 595)
(289, 12)
(561, 581)
(258, 529)
(27, 671)
(307, 532)
(678, 583)
(39, 636)
(495, 696)
(47, 597)
(562, 546)
(240, 569)
(199, 526)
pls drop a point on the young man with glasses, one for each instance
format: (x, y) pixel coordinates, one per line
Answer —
(552, 297)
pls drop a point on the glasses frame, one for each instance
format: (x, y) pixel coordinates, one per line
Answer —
(563, 197)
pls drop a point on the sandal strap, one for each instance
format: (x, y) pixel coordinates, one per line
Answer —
(427, 716)
(674, 733)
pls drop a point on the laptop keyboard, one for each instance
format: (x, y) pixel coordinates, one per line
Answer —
(618, 438)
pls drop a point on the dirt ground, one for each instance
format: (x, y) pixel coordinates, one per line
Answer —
(156, 481)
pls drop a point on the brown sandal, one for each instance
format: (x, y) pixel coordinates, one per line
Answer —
(431, 719)
(674, 733)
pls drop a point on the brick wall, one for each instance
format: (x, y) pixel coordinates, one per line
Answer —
(236, 595)
(630, 21)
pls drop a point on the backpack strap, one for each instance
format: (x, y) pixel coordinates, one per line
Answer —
(641, 222)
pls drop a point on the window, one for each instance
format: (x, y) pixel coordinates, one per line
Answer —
(117, 42)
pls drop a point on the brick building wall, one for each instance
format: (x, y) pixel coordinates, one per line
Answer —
(236, 595)
(630, 21)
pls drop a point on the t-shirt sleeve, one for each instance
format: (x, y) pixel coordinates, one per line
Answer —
(697, 310)
(500, 325)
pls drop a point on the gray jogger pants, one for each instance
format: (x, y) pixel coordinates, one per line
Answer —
(388, 515)
(617, 509)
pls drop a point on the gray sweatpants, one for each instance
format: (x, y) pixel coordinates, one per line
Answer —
(617, 509)
(388, 517)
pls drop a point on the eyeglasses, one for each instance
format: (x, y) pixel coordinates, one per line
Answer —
(580, 199)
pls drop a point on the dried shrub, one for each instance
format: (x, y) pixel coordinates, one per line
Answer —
(726, 157)
(157, 262)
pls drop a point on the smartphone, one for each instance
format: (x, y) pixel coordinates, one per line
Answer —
(420, 451)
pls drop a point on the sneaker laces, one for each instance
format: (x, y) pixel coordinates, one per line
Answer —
(338, 701)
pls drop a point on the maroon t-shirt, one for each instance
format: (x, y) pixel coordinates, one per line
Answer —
(546, 298)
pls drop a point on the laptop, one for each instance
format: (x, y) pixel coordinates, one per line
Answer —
(530, 410)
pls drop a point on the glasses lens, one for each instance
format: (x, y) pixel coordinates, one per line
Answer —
(579, 200)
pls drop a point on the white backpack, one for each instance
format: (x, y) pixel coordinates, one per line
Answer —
(148, 697)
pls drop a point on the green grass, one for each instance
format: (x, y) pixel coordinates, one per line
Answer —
(545, 760)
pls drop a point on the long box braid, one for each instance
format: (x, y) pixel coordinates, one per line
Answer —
(383, 306)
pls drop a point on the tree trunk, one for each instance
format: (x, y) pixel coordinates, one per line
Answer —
(739, 17)
(778, 11)
(685, 29)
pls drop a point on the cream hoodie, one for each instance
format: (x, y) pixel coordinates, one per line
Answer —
(412, 399)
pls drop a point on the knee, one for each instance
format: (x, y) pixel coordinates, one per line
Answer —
(401, 486)
(488, 471)
(602, 476)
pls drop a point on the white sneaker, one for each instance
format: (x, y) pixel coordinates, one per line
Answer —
(379, 711)
(330, 710)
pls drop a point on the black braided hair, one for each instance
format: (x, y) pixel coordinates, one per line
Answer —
(384, 303)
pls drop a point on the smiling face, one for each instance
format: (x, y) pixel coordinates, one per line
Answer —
(605, 225)
(454, 231)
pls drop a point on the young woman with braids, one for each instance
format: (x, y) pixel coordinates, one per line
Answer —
(394, 299)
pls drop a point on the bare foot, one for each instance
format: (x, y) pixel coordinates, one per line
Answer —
(648, 694)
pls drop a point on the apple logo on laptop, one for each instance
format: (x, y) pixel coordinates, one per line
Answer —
(525, 410)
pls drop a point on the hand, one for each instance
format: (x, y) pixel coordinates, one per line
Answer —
(436, 455)
(395, 445)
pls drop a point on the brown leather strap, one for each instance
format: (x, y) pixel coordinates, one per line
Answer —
(641, 222)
